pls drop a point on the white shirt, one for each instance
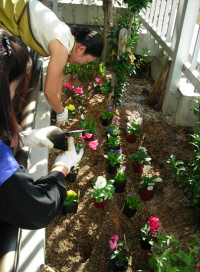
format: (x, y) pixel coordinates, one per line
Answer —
(46, 27)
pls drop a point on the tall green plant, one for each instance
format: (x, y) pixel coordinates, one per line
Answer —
(189, 176)
(86, 71)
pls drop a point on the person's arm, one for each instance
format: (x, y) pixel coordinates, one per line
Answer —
(30, 205)
(54, 77)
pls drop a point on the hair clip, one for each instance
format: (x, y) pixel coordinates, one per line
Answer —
(8, 46)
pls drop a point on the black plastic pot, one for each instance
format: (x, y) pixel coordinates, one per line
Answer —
(120, 268)
(71, 177)
(70, 208)
(145, 245)
(119, 186)
(106, 122)
(113, 169)
(129, 212)
(59, 140)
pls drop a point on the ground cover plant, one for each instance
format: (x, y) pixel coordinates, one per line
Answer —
(79, 242)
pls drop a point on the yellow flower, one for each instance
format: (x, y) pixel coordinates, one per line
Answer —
(70, 107)
(70, 192)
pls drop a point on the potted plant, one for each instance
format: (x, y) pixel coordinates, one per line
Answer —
(69, 87)
(90, 125)
(71, 176)
(147, 187)
(107, 116)
(71, 203)
(71, 109)
(169, 254)
(132, 205)
(149, 232)
(139, 159)
(112, 130)
(120, 180)
(133, 130)
(103, 191)
(119, 253)
(114, 157)
(113, 143)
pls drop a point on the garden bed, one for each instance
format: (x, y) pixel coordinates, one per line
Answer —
(80, 242)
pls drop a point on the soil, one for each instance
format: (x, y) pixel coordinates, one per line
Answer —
(80, 242)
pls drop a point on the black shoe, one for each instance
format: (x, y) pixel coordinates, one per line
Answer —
(53, 114)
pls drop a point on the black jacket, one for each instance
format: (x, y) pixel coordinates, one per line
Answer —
(31, 205)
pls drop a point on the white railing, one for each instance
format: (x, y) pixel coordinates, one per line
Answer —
(173, 24)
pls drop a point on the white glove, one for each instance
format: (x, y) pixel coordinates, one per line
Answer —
(38, 137)
(69, 158)
(61, 117)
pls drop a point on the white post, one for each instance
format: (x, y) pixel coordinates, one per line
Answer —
(180, 56)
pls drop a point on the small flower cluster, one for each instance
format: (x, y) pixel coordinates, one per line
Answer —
(98, 80)
(92, 144)
(153, 225)
(141, 157)
(113, 244)
(69, 85)
(196, 267)
(107, 114)
(134, 127)
(74, 77)
(71, 197)
(78, 90)
(112, 129)
(102, 189)
(79, 96)
(71, 109)
(151, 229)
(114, 157)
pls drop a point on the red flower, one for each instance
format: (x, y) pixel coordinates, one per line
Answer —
(93, 144)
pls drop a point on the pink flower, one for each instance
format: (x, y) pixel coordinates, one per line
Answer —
(69, 85)
(74, 77)
(78, 90)
(115, 237)
(88, 135)
(93, 144)
(82, 137)
(98, 80)
(113, 245)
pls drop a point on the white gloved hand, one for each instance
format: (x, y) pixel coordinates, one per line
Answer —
(38, 137)
(61, 117)
(69, 158)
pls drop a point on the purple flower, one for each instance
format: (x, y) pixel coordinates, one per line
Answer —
(119, 151)
(152, 248)
(111, 150)
(115, 121)
(110, 108)
(130, 193)
(111, 129)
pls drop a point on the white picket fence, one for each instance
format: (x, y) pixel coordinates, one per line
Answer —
(175, 26)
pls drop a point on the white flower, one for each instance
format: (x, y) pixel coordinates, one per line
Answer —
(143, 148)
(123, 168)
(139, 121)
(146, 168)
(101, 182)
(147, 159)
(158, 180)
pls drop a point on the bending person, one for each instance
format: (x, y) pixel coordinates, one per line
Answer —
(40, 29)
(23, 202)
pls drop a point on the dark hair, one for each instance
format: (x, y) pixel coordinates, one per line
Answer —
(14, 64)
(92, 40)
